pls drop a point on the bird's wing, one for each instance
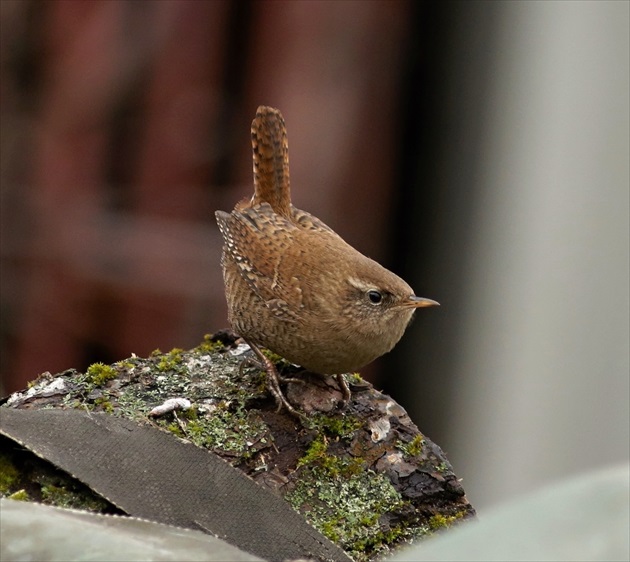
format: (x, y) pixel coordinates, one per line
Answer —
(259, 242)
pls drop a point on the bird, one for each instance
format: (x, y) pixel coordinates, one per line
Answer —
(295, 287)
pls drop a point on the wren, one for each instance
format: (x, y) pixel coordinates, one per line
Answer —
(296, 287)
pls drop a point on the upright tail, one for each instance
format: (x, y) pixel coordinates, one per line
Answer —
(271, 161)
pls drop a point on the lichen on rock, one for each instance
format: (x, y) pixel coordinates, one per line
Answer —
(363, 474)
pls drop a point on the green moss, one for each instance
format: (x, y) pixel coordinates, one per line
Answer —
(105, 404)
(47, 485)
(380, 541)
(440, 521)
(414, 447)
(175, 429)
(330, 529)
(64, 495)
(125, 364)
(273, 357)
(209, 346)
(190, 414)
(70, 401)
(316, 451)
(9, 475)
(279, 361)
(171, 361)
(99, 373)
(335, 426)
(337, 466)
(20, 496)
(317, 455)
(55, 495)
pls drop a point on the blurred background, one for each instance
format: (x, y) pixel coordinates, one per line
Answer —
(478, 149)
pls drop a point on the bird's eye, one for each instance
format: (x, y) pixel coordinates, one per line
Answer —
(375, 297)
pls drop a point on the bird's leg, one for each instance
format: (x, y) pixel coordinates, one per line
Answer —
(273, 379)
(255, 362)
(345, 389)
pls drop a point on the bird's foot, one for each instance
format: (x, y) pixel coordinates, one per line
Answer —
(273, 379)
(345, 390)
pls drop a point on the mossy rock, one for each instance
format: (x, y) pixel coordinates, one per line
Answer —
(362, 474)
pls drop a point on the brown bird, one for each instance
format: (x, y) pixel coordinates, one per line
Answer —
(296, 287)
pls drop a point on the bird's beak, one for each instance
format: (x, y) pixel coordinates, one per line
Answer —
(419, 302)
